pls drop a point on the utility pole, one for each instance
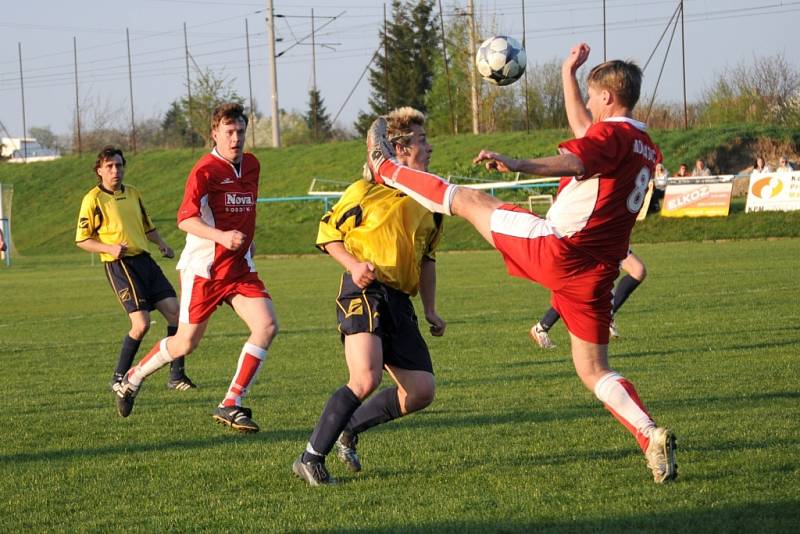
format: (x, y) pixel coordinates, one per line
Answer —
(130, 88)
(188, 87)
(77, 100)
(683, 60)
(250, 85)
(453, 127)
(314, 80)
(385, 61)
(604, 30)
(24, 146)
(276, 127)
(527, 103)
(472, 74)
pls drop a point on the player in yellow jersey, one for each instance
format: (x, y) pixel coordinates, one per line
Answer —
(386, 242)
(114, 223)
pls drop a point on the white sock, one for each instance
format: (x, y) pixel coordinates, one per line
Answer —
(149, 365)
(614, 395)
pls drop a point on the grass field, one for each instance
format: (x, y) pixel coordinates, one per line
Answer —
(512, 443)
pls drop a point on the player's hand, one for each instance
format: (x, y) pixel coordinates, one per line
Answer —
(363, 274)
(166, 251)
(118, 251)
(232, 239)
(577, 57)
(437, 324)
(495, 161)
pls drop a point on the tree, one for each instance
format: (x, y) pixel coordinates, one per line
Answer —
(175, 127)
(317, 119)
(209, 90)
(405, 76)
(765, 91)
(44, 136)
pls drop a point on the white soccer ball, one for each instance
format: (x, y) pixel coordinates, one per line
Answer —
(501, 60)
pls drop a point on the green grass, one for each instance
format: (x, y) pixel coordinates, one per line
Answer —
(513, 443)
(47, 195)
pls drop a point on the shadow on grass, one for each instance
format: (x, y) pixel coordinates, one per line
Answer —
(755, 517)
(127, 449)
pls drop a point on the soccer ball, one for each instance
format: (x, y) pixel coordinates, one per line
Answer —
(501, 60)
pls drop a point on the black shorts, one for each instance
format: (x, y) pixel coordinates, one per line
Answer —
(138, 282)
(389, 314)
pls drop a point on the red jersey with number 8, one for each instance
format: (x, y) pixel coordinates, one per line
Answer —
(223, 197)
(595, 213)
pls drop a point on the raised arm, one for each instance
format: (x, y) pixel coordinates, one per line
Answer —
(561, 165)
(577, 115)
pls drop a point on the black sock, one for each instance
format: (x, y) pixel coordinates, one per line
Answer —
(127, 353)
(178, 365)
(381, 408)
(549, 318)
(624, 288)
(335, 415)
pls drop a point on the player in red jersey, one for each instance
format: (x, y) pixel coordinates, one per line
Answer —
(576, 251)
(218, 214)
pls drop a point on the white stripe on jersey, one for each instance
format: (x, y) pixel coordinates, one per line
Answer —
(573, 206)
(187, 284)
(198, 254)
(520, 224)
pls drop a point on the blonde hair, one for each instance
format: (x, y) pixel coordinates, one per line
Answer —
(622, 78)
(399, 122)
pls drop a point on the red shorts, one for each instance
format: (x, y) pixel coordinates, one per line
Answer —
(201, 296)
(581, 286)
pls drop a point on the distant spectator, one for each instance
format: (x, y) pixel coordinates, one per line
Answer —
(660, 178)
(683, 171)
(760, 166)
(2, 242)
(700, 168)
(784, 165)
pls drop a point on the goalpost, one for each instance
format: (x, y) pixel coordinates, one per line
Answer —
(6, 193)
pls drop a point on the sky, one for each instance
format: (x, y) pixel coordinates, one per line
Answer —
(719, 34)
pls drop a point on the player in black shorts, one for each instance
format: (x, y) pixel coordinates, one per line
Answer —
(386, 242)
(114, 223)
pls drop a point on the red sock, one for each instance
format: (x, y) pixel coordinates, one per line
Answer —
(250, 362)
(620, 398)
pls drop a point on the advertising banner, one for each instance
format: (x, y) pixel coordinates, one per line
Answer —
(708, 197)
(774, 192)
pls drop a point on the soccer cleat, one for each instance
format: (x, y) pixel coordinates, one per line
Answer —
(379, 149)
(612, 330)
(346, 451)
(541, 337)
(124, 395)
(314, 473)
(660, 455)
(181, 384)
(236, 417)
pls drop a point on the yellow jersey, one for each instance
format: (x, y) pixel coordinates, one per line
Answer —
(385, 227)
(114, 217)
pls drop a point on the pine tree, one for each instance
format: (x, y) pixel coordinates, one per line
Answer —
(406, 75)
(317, 119)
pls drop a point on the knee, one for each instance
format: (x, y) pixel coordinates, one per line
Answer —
(265, 333)
(420, 399)
(363, 385)
(139, 329)
(640, 274)
(181, 345)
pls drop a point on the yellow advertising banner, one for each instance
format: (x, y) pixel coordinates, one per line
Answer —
(707, 199)
(774, 192)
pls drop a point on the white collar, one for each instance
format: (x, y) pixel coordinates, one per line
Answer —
(636, 124)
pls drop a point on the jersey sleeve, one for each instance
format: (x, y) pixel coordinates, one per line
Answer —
(196, 189)
(89, 219)
(342, 217)
(600, 150)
